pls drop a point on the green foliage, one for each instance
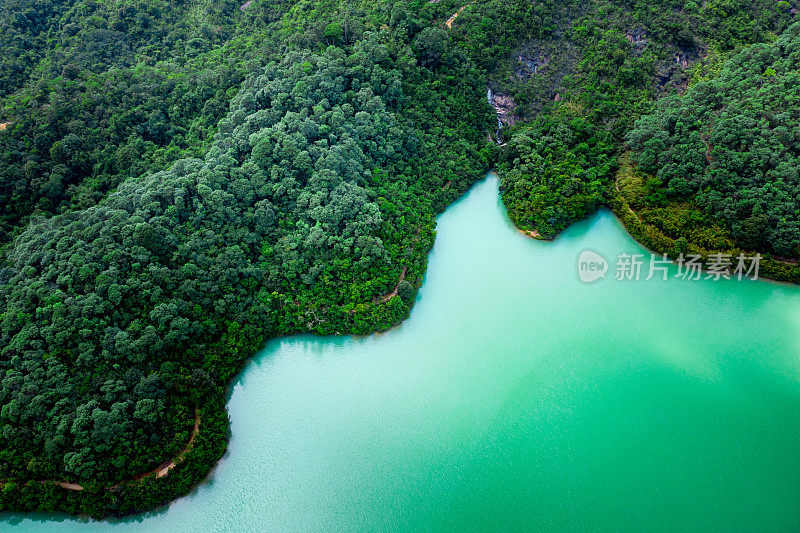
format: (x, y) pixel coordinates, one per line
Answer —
(730, 146)
(119, 91)
(182, 180)
(555, 172)
(430, 45)
(604, 64)
(321, 186)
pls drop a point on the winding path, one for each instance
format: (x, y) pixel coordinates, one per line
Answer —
(164, 469)
(160, 471)
(388, 296)
(452, 19)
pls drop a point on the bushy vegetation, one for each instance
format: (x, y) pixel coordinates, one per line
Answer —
(182, 180)
(110, 92)
(555, 173)
(730, 146)
(627, 55)
(320, 188)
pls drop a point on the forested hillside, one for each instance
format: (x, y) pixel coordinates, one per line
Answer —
(730, 149)
(97, 93)
(181, 181)
(312, 211)
(560, 166)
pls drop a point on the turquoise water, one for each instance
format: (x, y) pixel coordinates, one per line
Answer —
(517, 397)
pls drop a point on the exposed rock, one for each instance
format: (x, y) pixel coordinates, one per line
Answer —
(505, 107)
(637, 36)
(682, 60)
(539, 67)
(528, 66)
(672, 75)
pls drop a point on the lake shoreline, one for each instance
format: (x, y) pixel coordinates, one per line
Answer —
(198, 462)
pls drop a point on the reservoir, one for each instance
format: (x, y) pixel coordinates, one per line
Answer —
(517, 396)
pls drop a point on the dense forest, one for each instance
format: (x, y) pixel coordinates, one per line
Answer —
(625, 57)
(181, 181)
(112, 92)
(312, 209)
(730, 149)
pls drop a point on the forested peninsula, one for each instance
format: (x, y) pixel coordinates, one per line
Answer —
(182, 181)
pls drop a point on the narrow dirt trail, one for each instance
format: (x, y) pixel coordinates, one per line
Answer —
(627, 205)
(160, 471)
(531, 233)
(164, 469)
(390, 295)
(64, 485)
(452, 19)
